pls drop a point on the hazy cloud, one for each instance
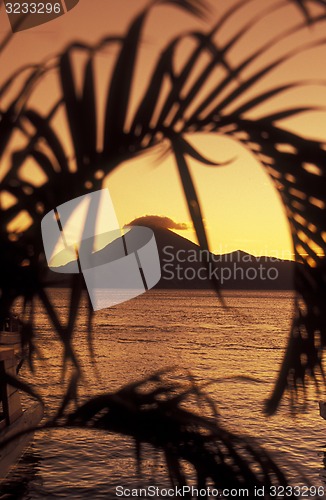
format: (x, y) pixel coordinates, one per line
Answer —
(158, 221)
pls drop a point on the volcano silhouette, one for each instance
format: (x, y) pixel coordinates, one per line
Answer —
(184, 266)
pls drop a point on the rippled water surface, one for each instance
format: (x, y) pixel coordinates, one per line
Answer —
(190, 330)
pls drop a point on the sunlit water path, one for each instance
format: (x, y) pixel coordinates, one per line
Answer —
(190, 330)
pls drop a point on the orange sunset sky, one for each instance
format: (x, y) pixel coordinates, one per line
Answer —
(241, 207)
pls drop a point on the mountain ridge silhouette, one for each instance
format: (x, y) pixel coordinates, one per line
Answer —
(184, 266)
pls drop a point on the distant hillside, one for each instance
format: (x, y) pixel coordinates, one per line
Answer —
(185, 266)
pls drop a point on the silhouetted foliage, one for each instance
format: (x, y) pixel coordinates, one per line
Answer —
(296, 165)
(174, 416)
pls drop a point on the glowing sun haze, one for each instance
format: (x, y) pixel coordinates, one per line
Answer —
(241, 207)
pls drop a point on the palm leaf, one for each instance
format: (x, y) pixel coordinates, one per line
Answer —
(119, 144)
(303, 356)
(192, 200)
(218, 456)
(245, 64)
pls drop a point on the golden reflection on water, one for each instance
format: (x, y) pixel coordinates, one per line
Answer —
(191, 331)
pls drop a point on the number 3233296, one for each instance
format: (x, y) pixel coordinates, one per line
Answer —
(33, 8)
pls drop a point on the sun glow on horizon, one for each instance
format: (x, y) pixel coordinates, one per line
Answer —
(241, 206)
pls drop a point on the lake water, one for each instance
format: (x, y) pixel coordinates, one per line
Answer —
(190, 330)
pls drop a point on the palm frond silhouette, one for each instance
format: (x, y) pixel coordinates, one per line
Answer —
(296, 164)
(158, 414)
